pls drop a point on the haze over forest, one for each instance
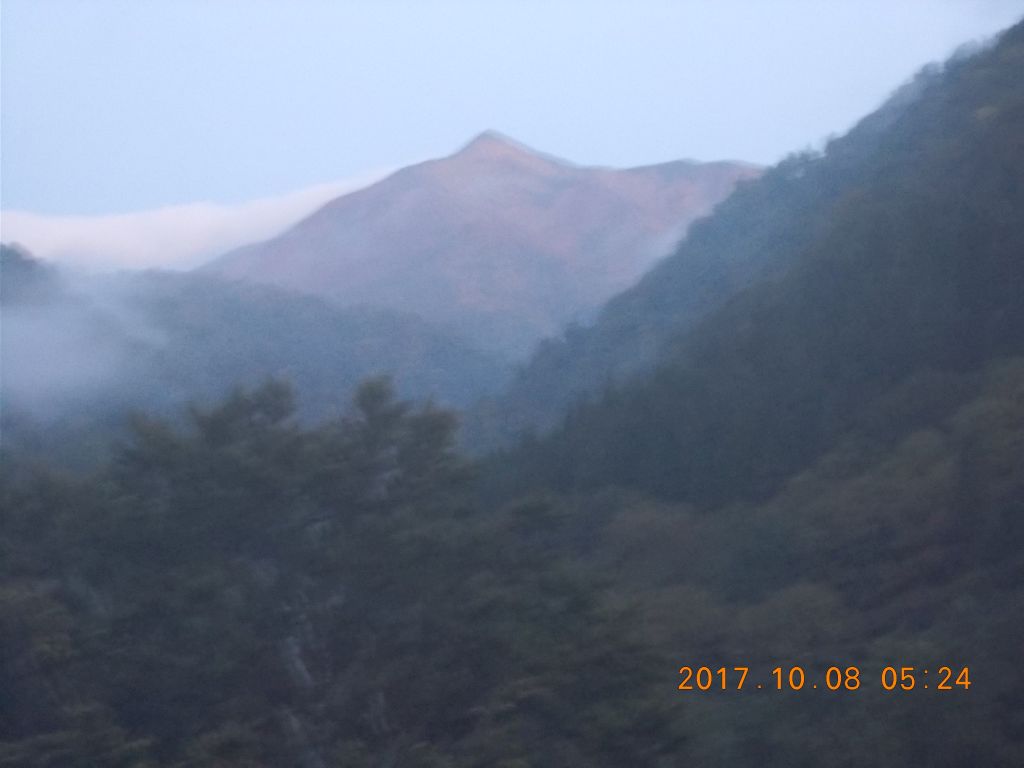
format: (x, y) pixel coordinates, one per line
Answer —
(498, 457)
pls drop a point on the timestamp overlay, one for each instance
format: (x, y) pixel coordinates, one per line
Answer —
(893, 678)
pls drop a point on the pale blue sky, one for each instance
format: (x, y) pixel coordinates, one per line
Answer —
(111, 107)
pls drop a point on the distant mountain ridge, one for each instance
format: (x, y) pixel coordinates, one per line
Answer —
(497, 242)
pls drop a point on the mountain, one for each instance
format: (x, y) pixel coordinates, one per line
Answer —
(498, 243)
(751, 237)
(80, 351)
(811, 302)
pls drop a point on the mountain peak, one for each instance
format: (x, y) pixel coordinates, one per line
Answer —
(480, 240)
(492, 144)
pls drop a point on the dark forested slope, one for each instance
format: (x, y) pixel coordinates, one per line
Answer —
(756, 234)
(910, 258)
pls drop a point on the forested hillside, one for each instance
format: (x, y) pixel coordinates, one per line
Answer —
(248, 592)
(758, 234)
(908, 261)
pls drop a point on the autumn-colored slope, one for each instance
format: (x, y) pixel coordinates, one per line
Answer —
(498, 242)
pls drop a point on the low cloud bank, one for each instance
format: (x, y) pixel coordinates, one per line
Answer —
(175, 237)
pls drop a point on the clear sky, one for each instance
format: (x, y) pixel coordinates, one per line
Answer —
(115, 107)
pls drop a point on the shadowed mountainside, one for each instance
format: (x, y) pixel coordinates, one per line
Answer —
(80, 351)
